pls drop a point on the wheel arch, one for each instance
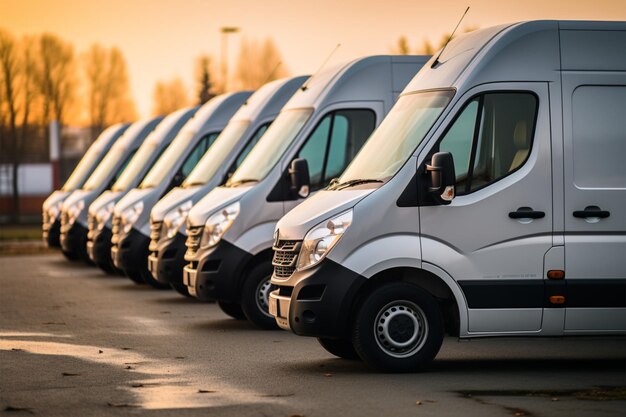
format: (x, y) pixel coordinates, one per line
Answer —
(429, 278)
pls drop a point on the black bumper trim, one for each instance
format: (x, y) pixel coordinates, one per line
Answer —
(219, 274)
(171, 260)
(329, 315)
(132, 253)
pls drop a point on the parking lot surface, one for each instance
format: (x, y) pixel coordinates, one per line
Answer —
(76, 342)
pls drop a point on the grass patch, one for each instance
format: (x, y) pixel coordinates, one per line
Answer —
(20, 232)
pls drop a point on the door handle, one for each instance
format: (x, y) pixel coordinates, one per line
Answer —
(526, 213)
(591, 211)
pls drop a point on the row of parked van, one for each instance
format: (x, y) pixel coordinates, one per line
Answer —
(381, 203)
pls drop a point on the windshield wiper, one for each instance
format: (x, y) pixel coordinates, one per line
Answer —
(192, 184)
(351, 183)
(243, 181)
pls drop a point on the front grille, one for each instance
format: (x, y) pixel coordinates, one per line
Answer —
(115, 230)
(65, 222)
(286, 257)
(155, 235)
(45, 217)
(194, 236)
(91, 226)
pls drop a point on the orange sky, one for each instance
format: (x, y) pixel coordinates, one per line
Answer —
(160, 38)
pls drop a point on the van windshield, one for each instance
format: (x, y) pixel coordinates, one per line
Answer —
(167, 162)
(144, 154)
(214, 157)
(397, 137)
(88, 162)
(271, 146)
(106, 169)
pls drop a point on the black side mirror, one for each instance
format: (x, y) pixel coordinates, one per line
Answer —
(178, 179)
(299, 175)
(442, 177)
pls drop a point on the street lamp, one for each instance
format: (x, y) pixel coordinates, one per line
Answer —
(226, 30)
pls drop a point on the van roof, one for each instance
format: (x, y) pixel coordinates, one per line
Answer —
(526, 51)
(344, 82)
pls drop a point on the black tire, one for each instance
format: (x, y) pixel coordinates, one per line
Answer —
(107, 267)
(70, 256)
(339, 347)
(398, 328)
(181, 289)
(134, 276)
(232, 309)
(254, 296)
(147, 277)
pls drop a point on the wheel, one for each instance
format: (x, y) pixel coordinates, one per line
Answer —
(147, 277)
(107, 267)
(398, 328)
(180, 288)
(339, 347)
(135, 276)
(255, 296)
(232, 309)
(70, 256)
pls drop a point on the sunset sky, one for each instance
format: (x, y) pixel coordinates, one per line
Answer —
(161, 38)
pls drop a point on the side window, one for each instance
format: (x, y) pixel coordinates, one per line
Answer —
(314, 151)
(490, 138)
(196, 154)
(246, 150)
(351, 129)
(335, 142)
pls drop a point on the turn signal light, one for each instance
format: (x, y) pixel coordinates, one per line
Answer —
(556, 274)
(557, 299)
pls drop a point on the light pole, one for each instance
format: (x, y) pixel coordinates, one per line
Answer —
(226, 30)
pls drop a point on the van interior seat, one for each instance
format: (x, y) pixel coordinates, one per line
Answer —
(521, 141)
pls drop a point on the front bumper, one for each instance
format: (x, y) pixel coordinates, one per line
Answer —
(131, 252)
(52, 233)
(167, 262)
(316, 302)
(217, 276)
(74, 240)
(99, 249)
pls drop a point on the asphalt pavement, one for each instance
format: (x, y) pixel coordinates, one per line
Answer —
(76, 342)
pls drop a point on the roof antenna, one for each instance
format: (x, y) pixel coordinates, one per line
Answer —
(436, 61)
(245, 103)
(305, 86)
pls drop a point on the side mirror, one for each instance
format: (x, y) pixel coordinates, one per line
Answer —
(178, 179)
(299, 175)
(442, 177)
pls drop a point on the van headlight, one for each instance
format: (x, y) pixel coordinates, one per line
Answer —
(174, 219)
(130, 216)
(218, 224)
(104, 214)
(321, 239)
(74, 211)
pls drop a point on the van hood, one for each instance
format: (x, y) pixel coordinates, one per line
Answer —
(316, 209)
(75, 197)
(173, 199)
(56, 197)
(213, 201)
(105, 198)
(132, 197)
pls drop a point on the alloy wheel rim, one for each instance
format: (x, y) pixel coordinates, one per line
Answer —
(263, 295)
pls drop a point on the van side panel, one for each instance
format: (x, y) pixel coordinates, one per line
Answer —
(594, 133)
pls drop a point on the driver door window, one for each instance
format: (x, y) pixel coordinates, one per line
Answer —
(490, 139)
(196, 154)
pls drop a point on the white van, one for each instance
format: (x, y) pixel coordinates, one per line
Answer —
(99, 212)
(318, 132)
(73, 236)
(490, 202)
(168, 217)
(51, 208)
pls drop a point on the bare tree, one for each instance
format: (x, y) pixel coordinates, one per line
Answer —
(402, 46)
(56, 77)
(258, 63)
(203, 78)
(108, 88)
(169, 96)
